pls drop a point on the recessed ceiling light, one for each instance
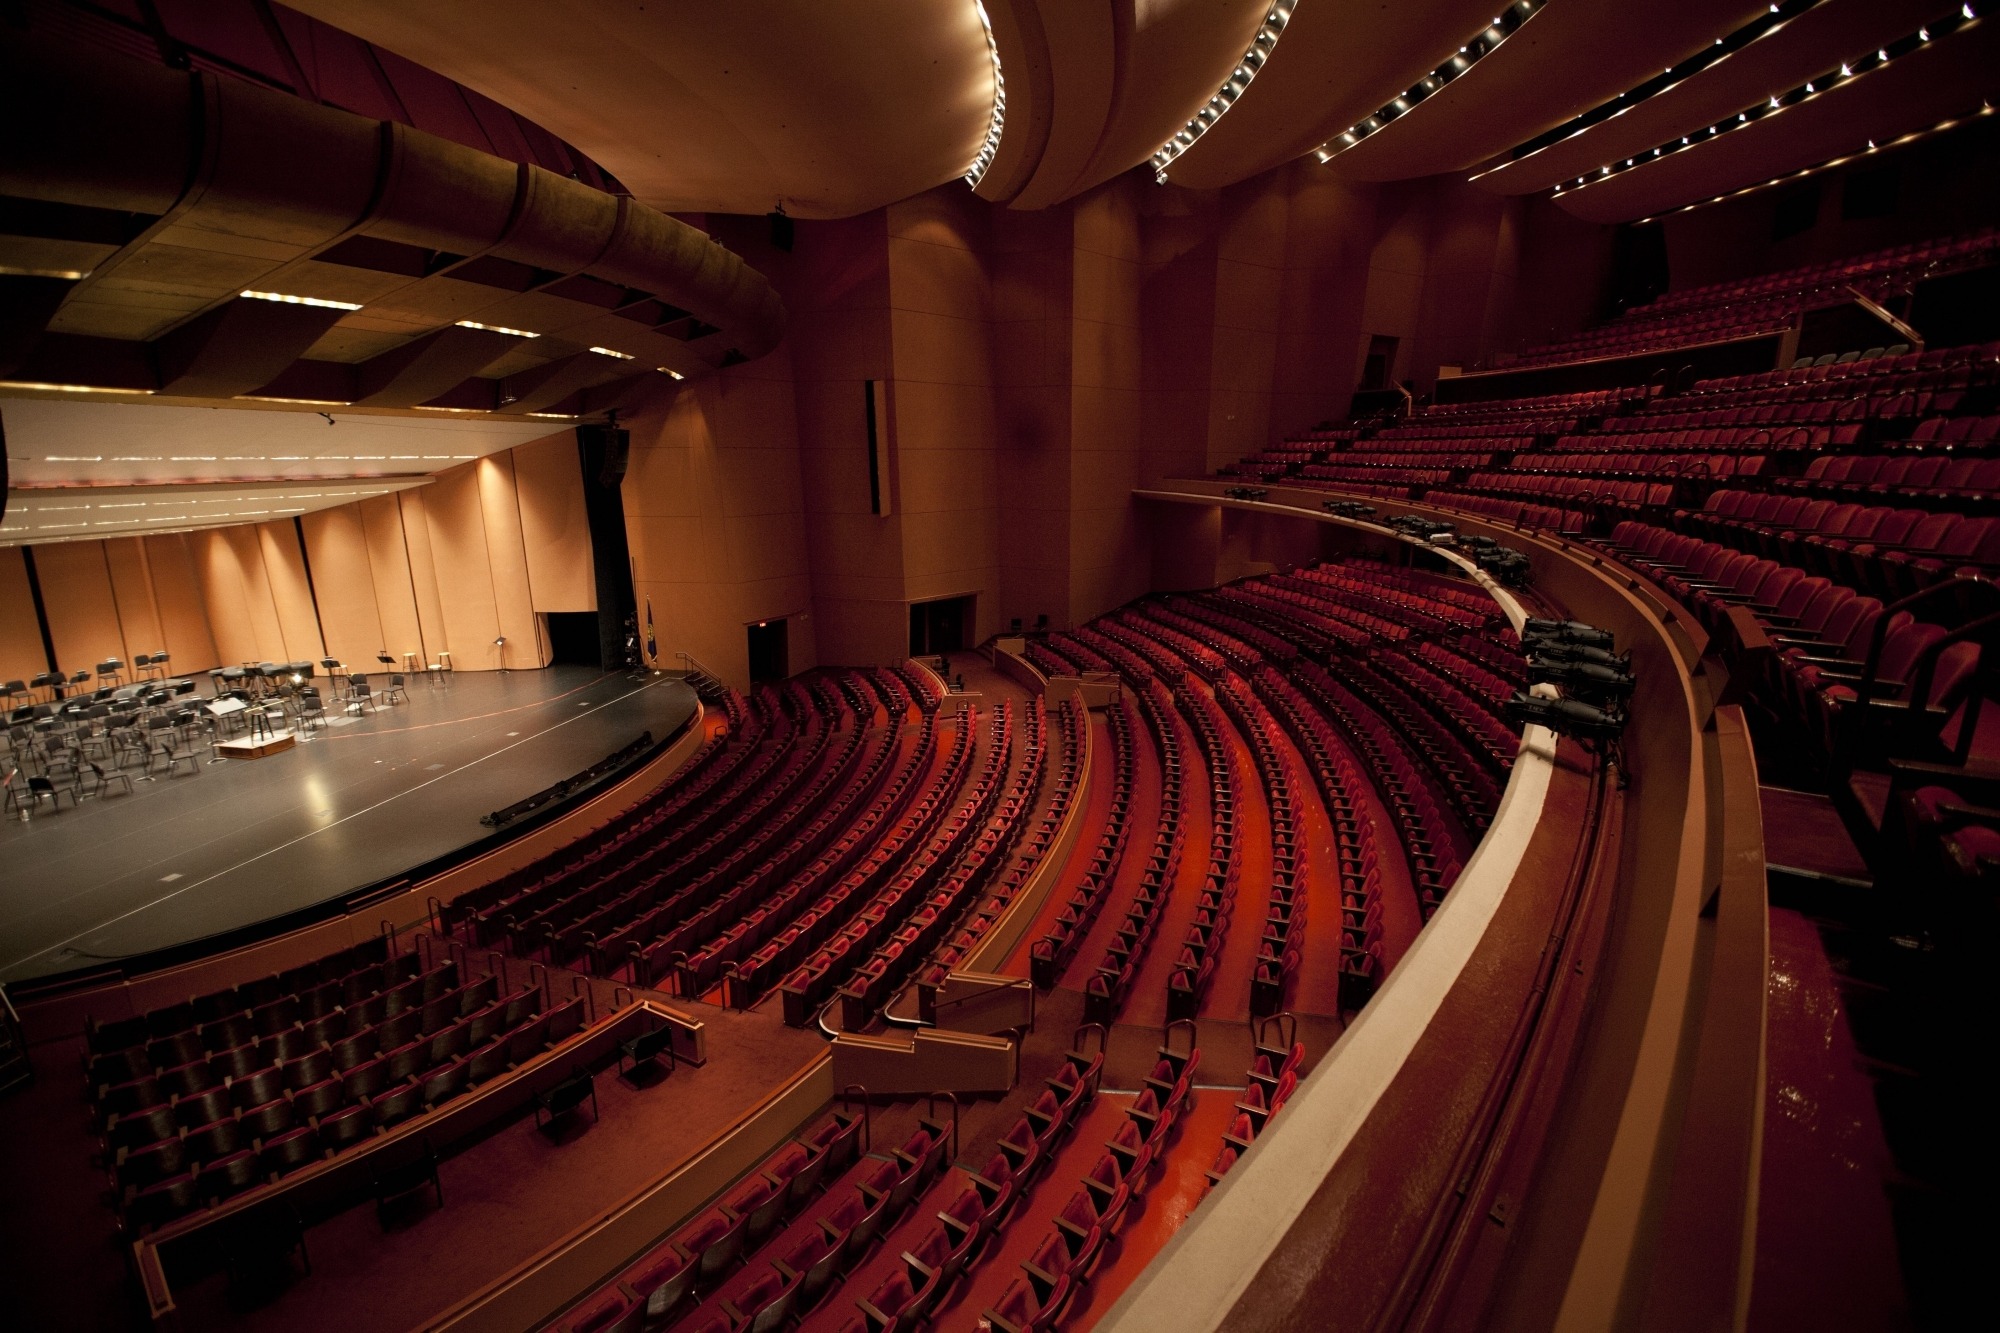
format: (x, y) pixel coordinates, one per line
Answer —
(608, 351)
(66, 388)
(72, 458)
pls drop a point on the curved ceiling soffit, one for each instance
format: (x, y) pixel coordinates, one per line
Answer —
(1339, 60)
(832, 107)
(1161, 64)
(1946, 80)
(260, 184)
(1568, 57)
(1803, 46)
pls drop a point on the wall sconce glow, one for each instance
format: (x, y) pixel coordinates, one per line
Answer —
(1261, 46)
(496, 328)
(300, 300)
(606, 351)
(996, 124)
(1813, 89)
(73, 458)
(1483, 44)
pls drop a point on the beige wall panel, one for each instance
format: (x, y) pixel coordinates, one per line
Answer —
(132, 585)
(22, 656)
(459, 548)
(337, 546)
(82, 611)
(507, 564)
(222, 593)
(188, 639)
(259, 598)
(291, 593)
(554, 527)
(389, 573)
(434, 631)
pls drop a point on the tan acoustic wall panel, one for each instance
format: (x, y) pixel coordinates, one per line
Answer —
(183, 613)
(82, 610)
(291, 591)
(457, 532)
(432, 625)
(507, 564)
(132, 587)
(388, 571)
(548, 482)
(337, 547)
(21, 654)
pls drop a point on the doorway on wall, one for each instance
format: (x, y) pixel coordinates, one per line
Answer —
(1381, 362)
(769, 652)
(573, 639)
(940, 626)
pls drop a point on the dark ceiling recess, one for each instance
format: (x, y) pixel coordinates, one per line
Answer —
(276, 47)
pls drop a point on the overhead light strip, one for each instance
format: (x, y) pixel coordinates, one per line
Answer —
(43, 387)
(1912, 137)
(1772, 20)
(496, 328)
(1261, 46)
(996, 124)
(1477, 47)
(1961, 20)
(286, 299)
(613, 352)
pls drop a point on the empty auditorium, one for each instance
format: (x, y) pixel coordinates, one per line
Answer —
(998, 666)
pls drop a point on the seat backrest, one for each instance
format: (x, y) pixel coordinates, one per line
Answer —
(1905, 644)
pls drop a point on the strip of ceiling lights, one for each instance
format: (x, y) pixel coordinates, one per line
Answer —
(1261, 46)
(1770, 21)
(1778, 103)
(1477, 47)
(997, 125)
(1873, 147)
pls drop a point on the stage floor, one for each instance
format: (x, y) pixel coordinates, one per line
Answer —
(189, 857)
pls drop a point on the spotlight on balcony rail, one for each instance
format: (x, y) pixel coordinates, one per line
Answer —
(1348, 508)
(1504, 563)
(1587, 681)
(1564, 631)
(1245, 493)
(1567, 717)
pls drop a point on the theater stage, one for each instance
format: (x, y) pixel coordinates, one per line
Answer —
(359, 804)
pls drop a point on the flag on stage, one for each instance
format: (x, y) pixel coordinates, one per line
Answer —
(652, 647)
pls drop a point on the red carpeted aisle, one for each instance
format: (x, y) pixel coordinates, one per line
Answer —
(1316, 990)
(1826, 1243)
(1146, 1002)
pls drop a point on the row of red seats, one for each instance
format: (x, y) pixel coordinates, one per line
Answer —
(1426, 599)
(1049, 955)
(1644, 464)
(697, 911)
(1273, 1078)
(1865, 546)
(1550, 518)
(1434, 842)
(827, 930)
(1467, 772)
(1379, 475)
(1280, 949)
(1215, 905)
(567, 918)
(1970, 247)
(227, 1142)
(1333, 769)
(1907, 363)
(1330, 605)
(1823, 632)
(1105, 989)
(935, 889)
(612, 865)
(1063, 1261)
(656, 1288)
(1926, 477)
(1072, 721)
(1782, 434)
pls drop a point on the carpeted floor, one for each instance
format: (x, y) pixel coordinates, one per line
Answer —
(1826, 1242)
